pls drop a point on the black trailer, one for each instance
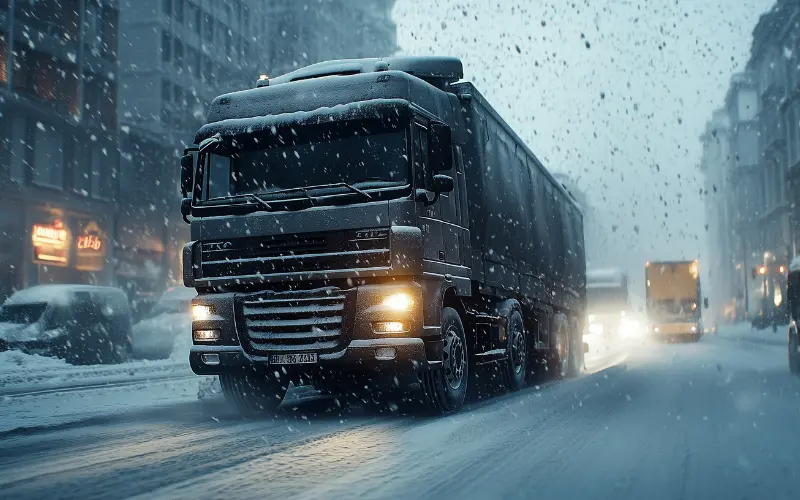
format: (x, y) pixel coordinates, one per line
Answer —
(376, 223)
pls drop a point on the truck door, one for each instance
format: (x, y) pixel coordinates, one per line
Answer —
(430, 217)
(449, 208)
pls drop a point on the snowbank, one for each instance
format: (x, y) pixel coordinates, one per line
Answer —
(21, 373)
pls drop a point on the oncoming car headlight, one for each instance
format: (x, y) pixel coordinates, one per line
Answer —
(595, 328)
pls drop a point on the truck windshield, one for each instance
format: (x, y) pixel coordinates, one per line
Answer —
(365, 162)
(673, 308)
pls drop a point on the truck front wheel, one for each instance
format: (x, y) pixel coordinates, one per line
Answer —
(517, 363)
(253, 393)
(444, 389)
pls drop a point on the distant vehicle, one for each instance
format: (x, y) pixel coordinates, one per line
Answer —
(793, 302)
(83, 324)
(609, 313)
(673, 299)
(376, 223)
(170, 318)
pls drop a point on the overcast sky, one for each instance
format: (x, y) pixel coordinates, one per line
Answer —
(613, 92)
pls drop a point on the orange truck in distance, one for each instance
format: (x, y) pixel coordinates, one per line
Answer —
(673, 299)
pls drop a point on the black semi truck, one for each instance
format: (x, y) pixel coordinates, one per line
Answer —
(374, 224)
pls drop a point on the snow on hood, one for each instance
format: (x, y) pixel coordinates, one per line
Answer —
(60, 294)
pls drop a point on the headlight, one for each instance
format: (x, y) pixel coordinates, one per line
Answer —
(399, 302)
(202, 312)
(694, 329)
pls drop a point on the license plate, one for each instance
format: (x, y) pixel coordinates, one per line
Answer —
(293, 359)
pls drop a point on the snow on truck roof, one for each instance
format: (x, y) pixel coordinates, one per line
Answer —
(449, 69)
(598, 278)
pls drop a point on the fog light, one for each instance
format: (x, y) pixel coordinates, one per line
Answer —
(399, 302)
(205, 335)
(210, 359)
(389, 327)
(202, 312)
(385, 353)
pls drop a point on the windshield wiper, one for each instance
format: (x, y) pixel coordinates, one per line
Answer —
(250, 196)
(305, 189)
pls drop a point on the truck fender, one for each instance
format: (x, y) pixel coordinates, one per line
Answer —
(504, 307)
(503, 310)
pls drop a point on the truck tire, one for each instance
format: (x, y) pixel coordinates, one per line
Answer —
(563, 362)
(253, 393)
(444, 389)
(516, 367)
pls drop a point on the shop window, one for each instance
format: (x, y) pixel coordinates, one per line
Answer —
(48, 157)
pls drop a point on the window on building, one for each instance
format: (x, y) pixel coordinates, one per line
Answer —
(3, 58)
(48, 157)
(179, 11)
(166, 47)
(103, 172)
(178, 59)
(110, 24)
(180, 99)
(209, 30)
(747, 104)
(19, 149)
(166, 91)
(81, 168)
(194, 18)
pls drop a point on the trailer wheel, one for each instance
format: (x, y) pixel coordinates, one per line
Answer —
(563, 362)
(444, 389)
(253, 393)
(517, 364)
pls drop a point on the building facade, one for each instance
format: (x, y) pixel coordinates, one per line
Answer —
(176, 56)
(310, 31)
(58, 158)
(764, 139)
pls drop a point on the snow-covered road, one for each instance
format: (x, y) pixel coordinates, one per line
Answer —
(716, 419)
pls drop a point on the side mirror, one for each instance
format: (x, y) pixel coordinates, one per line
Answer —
(705, 302)
(440, 151)
(187, 174)
(442, 183)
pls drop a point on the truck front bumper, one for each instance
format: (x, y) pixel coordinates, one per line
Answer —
(396, 355)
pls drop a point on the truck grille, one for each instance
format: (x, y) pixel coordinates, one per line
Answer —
(297, 321)
(296, 253)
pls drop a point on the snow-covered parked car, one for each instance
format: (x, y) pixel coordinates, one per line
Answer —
(82, 324)
(158, 335)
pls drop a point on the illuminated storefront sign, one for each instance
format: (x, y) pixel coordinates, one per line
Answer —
(90, 248)
(50, 244)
